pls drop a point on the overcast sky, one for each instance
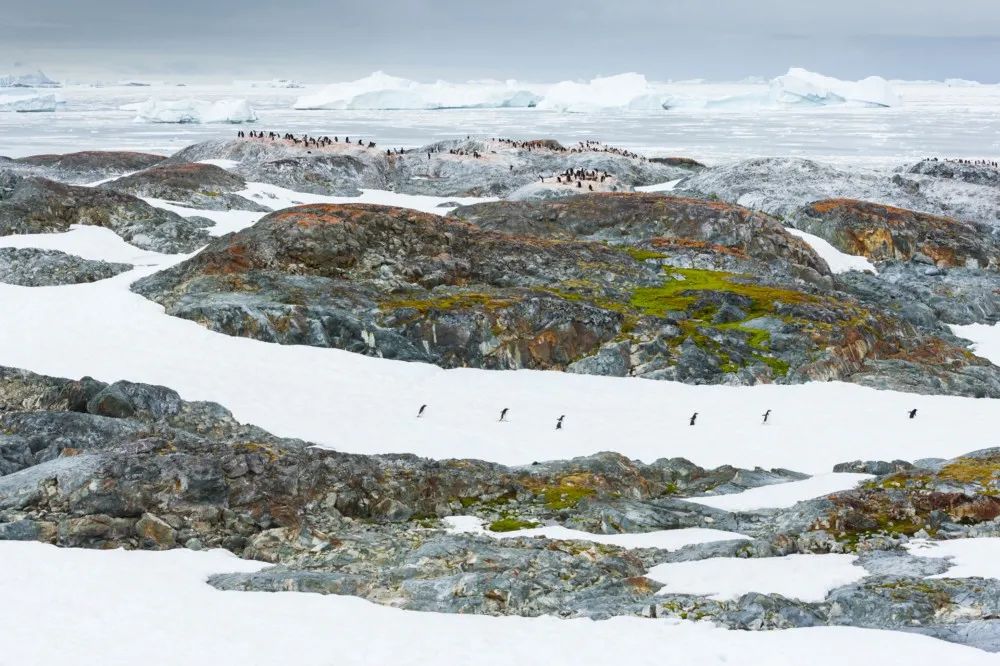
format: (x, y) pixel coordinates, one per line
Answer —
(536, 40)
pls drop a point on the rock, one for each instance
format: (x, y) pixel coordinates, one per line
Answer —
(171, 472)
(399, 284)
(782, 185)
(29, 267)
(655, 221)
(123, 399)
(204, 186)
(876, 467)
(154, 533)
(611, 360)
(885, 233)
(451, 170)
(36, 205)
(86, 167)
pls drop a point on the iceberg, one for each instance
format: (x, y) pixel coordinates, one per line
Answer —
(29, 103)
(33, 80)
(600, 93)
(800, 86)
(380, 91)
(273, 83)
(192, 111)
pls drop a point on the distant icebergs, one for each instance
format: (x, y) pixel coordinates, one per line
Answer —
(192, 111)
(273, 83)
(31, 80)
(380, 91)
(621, 92)
(29, 103)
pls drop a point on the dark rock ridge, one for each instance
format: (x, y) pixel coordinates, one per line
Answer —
(203, 186)
(88, 464)
(653, 220)
(781, 186)
(343, 169)
(86, 167)
(884, 233)
(977, 174)
(400, 284)
(31, 205)
(923, 293)
(29, 267)
(681, 162)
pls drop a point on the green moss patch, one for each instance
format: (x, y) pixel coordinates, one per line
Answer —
(511, 525)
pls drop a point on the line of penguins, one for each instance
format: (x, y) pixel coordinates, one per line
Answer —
(692, 421)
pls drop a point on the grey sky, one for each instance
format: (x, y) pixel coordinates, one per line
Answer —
(538, 40)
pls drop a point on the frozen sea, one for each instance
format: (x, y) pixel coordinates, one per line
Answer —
(934, 119)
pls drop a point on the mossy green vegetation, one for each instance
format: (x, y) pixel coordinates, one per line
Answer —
(984, 471)
(687, 285)
(562, 497)
(681, 291)
(462, 301)
(511, 525)
(640, 254)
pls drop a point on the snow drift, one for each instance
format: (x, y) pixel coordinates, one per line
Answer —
(192, 111)
(28, 103)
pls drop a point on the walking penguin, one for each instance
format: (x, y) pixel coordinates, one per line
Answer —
(694, 417)
(503, 413)
(559, 422)
(766, 415)
(913, 413)
(421, 412)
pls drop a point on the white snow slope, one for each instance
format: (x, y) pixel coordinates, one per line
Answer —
(838, 261)
(117, 608)
(782, 495)
(971, 558)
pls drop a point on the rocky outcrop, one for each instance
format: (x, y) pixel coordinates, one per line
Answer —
(203, 186)
(680, 162)
(470, 167)
(30, 267)
(405, 285)
(923, 293)
(88, 166)
(977, 174)
(31, 205)
(652, 220)
(780, 186)
(884, 234)
(88, 464)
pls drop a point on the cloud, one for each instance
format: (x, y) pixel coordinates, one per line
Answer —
(531, 39)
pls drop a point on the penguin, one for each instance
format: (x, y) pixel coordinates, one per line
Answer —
(766, 414)
(913, 413)
(694, 417)
(503, 413)
(559, 422)
(421, 412)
